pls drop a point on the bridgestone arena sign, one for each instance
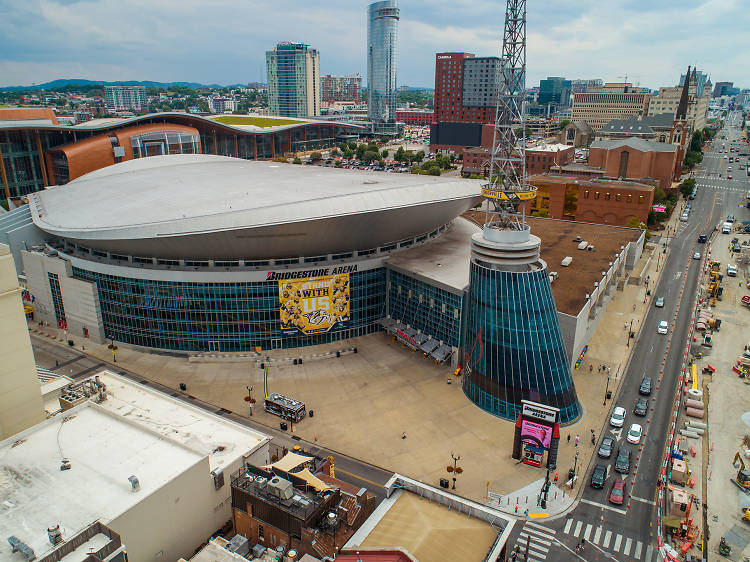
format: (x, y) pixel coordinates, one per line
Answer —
(321, 272)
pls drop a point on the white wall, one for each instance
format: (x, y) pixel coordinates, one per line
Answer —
(20, 392)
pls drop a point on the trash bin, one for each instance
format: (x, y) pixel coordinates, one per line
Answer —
(283, 426)
(444, 483)
(311, 413)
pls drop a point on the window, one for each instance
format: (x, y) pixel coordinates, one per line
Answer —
(260, 533)
(630, 198)
(596, 195)
(617, 197)
(606, 196)
(586, 194)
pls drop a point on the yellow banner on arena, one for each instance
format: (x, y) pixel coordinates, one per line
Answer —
(314, 305)
(507, 195)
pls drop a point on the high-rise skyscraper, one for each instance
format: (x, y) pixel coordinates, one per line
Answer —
(293, 80)
(382, 35)
(555, 90)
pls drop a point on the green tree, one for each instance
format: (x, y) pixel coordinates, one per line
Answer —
(562, 124)
(687, 186)
(434, 171)
(419, 156)
(353, 145)
(334, 152)
(315, 156)
(400, 155)
(370, 156)
(348, 153)
(338, 164)
(660, 196)
(360, 152)
(385, 153)
(296, 160)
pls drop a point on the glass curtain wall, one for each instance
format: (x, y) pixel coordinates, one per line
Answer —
(514, 346)
(382, 36)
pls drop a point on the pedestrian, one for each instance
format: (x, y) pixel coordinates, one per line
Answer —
(593, 437)
(403, 435)
(568, 438)
(583, 543)
(591, 368)
(556, 477)
(526, 512)
(578, 438)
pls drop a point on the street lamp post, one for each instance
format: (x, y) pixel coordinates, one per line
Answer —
(606, 390)
(455, 469)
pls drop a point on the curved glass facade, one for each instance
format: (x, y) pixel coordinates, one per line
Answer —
(514, 346)
(192, 316)
(382, 34)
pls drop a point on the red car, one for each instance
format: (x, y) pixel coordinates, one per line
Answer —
(617, 493)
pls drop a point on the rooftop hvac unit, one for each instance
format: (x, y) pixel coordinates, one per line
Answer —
(134, 484)
(280, 488)
(582, 245)
(553, 275)
(291, 556)
(261, 481)
(54, 535)
(239, 545)
(566, 261)
(577, 239)
(590, 248)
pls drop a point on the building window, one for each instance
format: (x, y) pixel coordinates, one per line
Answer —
(640, 199)
(260, 533)
(606, 196)
(596, 195)
(617, 197)
(586, 194)
(57, 301)
(630, 198)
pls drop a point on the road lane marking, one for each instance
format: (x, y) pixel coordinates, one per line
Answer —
(568, 525)
(601, 505)
(618, 542)
(550, 532)
(643, 500)
(587, 532)
(628, 544)
(607, 538)
(577, 532)
(598, 534)
(536, 535)
(649, 553)
(638, 548)
(533, 542)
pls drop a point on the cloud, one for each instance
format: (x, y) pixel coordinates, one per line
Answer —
(224, 41)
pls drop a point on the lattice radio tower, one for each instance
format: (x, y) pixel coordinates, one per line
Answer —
(507, 189)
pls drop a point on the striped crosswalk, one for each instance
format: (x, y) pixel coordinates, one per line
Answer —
(537, 540)
(609, 540)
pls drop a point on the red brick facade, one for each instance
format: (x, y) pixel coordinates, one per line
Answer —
(449, 82)
(636, 164)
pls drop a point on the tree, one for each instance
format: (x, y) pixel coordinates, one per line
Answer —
(296, 160)
(370, 156)
(687, 186)
(400, 155)
(348, 153)
(434, 171)
(660, 196)
(385, 153)
(360, 152)
(562, 124)
(315, 156)
(353, 145)
(334, 152)
(419, 156)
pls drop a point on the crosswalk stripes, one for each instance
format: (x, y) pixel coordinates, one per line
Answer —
(539, 540)
(609, 540)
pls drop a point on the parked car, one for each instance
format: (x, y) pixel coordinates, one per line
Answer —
(659, 302)
(635, 433)
(663, 327)
(598, 476)
(641, 407)
(617, 492)
(622, 462)
(618, 417)
(605, 449)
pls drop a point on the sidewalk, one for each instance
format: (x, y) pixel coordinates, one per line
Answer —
(394, 409)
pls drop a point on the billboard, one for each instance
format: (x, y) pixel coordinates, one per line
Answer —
(536, 434)
(314, 305)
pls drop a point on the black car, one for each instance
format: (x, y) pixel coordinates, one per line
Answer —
(605, 449)
(645, 388)
(622, 462)
(641, 407)
(599, 476)
(702, 238)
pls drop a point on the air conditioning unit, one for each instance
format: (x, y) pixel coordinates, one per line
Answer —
(280, 488)
(261, 481)
(566, 261)
(582, 245)
(590, 248)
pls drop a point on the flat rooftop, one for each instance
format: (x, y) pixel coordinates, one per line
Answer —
(104, 451)
(430, 531)
(593, 183)
(208, 434)
(574, 281)
(548, 147)
(444, 260)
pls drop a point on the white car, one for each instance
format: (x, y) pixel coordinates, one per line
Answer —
(663, 327)
(618, 417)
(634, 434)
(697, 256)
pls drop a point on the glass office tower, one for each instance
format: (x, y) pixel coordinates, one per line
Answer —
(514, 346)
(382, 31)
(293, 80)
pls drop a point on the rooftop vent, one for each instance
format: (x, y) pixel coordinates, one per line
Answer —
(134, 484)
(54, 535)
(566, 261)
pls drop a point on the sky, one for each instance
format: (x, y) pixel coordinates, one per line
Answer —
(224, 41)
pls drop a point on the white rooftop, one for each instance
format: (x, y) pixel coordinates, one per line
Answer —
(221, 439)
(548, 147)
(103, 450)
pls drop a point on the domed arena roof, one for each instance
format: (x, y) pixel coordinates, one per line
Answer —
(214, 207)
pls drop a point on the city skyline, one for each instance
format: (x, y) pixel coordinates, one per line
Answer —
(43, 42)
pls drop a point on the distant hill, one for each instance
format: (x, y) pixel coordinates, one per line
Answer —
(83, 82)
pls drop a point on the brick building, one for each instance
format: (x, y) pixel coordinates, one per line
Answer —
(634, 158)
(539, 158)
(341, 88)
(286, 504)
(598, 201)
(465, 88)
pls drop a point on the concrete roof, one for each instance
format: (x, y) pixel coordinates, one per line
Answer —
(642, 145)
(222, 440)
(548, 147)
(444, 260)
(104, 451)
(163, 199)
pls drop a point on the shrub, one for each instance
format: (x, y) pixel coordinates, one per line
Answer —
(296, 160)
(280, 159)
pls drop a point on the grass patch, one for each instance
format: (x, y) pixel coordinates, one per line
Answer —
(257, 121)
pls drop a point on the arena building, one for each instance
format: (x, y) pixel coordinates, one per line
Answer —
(198, 253)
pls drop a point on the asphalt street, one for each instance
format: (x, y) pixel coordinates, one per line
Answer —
(629, 532)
